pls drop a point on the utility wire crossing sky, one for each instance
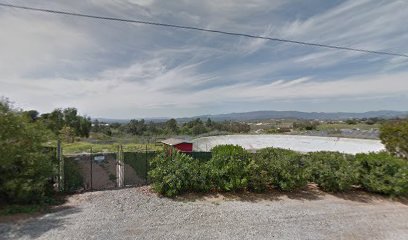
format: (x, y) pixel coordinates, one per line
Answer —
(228, 56)
(200, 29)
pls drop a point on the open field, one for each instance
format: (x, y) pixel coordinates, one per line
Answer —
(84, 147)
(297, 143)
(333, 126)
(136, 213)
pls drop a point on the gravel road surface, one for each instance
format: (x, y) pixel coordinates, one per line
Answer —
(135, 213)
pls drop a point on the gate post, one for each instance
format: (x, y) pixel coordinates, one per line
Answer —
(120, 168)
(91, 162)
(61, 170)
(146, 165)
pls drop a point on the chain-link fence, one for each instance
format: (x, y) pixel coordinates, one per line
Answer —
(100, 171)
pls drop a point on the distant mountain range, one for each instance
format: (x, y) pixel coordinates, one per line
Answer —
(264, 115)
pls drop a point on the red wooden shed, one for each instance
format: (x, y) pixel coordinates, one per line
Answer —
(179, 144)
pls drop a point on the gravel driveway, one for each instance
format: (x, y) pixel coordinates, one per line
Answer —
(135, 214)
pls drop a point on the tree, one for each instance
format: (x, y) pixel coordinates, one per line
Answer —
(67, 117)
(95, 126)
(152, 128)
(25, 169)
(351, 121)
(394, 135)
(54, 120)
(32, 114)
(67, 134)
(306, 125)
(85, 126)
(209, 123)
(171, 126)
(136, 127)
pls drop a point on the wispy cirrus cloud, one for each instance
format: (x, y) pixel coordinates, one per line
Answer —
(130, 70)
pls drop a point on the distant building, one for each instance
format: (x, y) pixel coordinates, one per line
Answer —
(179, 144)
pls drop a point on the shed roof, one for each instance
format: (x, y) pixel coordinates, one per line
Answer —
(174, 141)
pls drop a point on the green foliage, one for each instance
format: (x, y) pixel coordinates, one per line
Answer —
(16, 208)
(171, 126)
(73, 179)
(173, 174)
(306, 125)
(394, 135)
(231, 168)
(26, 170)
(67, 134)
(228, 167)
(332, 171)
(383, 173)
(60, 118)
(281, 168)
(81, 147)
(136, 127)
(352, 121)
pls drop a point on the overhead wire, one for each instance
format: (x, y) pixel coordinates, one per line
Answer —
(186, 27)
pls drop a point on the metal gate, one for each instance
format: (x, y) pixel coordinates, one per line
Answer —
(101, 171)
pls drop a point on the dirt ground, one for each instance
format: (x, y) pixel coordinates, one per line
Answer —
(137, 213)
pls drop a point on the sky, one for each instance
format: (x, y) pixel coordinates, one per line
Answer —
(126, 70)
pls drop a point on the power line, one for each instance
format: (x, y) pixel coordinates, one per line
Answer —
(202, 30)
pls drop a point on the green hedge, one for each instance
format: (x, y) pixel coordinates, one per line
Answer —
(227, 168)
(176, 173)
(232, 168)
(332, 171)
(383, 173)
(281, 168)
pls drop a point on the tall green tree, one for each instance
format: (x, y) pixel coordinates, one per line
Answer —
(171, 126)
(68, 117)
(25, 169)
(394, 135)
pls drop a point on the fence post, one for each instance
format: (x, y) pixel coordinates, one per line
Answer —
(121, 167)
(117, 166)
(91, 162)
(146, 165)
(61, 169)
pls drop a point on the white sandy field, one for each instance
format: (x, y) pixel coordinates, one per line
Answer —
(293, 142)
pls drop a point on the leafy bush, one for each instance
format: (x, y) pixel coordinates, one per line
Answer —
(277, 167)
(332, 171)
(176, 173)
(394, 135)
(228, 168)
(26, 170)
(383, 173)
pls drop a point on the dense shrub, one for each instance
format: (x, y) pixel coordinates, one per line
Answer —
(228, 168)
(26, 170)
(281, 168)
(172, 174)
(232, 168)
(383, 173)
(332, 171)
(394, 135)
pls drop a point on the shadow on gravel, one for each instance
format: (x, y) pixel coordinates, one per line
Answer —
(310, 193)
(364, 197)
(273, 195)
(36, 226)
